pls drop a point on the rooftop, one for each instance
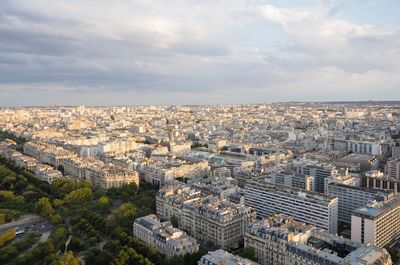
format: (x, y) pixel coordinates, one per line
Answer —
(376, 208)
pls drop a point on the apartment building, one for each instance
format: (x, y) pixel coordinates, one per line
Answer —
(351, 198)
(279, 240)
(47, 153)
(378, 180)
(363, 147)
(378, 222)
(162, 236)
(320, 171)
(118, 146)
(111, 176)
(393, 168)
(309, 207)
(269, 237)
(206, 218)
(221, 257)
(158, 172)
(42, 171)
(396, 150)
(46, 173)
(75, 167)
(313, 254)
(222, 187)
(292, 179)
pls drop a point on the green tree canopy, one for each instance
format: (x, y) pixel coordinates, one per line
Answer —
(44, 207)
(68, 258)
(124, 215)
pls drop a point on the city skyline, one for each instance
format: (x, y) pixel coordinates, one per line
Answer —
(189, 52)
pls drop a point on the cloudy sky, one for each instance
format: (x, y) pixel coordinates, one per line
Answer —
(125, 52)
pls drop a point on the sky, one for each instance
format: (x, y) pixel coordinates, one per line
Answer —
(150, 52)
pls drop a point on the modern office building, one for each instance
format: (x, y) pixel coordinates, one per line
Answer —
(309, 207)
(378, 222)
(162, 236)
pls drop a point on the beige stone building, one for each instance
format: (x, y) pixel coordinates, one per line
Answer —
(279, 240)
(206, 218)
(162, 236)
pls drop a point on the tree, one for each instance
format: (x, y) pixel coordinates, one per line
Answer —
(2, 218)
(95, 256)
(123, 215)
(104, 204)
(56, 219)
(394, 252)
(59, 236)
(69, 259)
(65, 186)
(44, 207)
(124, 193)
(249, 253)
(79, 195)
(9, 196)
(57, 203)
(7, 236)
(129, 256)
(61, 169)
(174, 221)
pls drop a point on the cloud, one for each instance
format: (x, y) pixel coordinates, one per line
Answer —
(319, 39)
(186, 51)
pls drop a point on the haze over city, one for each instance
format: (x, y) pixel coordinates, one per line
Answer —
(197, 52)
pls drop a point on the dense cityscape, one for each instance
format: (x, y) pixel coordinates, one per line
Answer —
(186, 132)
(279, 183)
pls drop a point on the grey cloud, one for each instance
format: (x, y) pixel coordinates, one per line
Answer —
(202, 49)
(50, 51)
